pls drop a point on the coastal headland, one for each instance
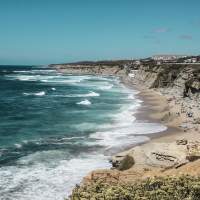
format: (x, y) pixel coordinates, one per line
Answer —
(171, 96)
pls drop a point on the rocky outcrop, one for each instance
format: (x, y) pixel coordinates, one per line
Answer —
(118, 67)
(86, 69)
(147, 161)
(161, 155)
(184, 79)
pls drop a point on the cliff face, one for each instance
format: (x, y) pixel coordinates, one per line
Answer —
(184, 80)
(100, 67)
(88, 69)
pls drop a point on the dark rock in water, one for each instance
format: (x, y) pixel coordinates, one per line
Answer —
(126, 163)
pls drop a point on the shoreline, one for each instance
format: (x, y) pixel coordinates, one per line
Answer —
(152, 102)
(154, 108)
(143, 114)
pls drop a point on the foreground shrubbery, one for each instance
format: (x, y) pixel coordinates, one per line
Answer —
(168, 188)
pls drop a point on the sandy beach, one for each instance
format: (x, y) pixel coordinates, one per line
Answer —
(162, 155)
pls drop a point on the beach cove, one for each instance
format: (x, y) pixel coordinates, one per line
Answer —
(167, 153)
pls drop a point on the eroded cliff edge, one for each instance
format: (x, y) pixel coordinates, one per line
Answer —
(184, 79)
(87, 67)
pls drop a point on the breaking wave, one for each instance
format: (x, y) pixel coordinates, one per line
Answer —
(42, 93)
(106, 87)
(84, 102)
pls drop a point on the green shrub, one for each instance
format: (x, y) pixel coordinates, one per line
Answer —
(158, 188)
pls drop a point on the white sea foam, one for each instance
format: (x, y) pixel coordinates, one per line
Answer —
(34, 71)
(126, 114)
(46, 175)
(38, 77)
(131, 96)
(72, 138)
(53, 89)
(106, 87)
(42, 93)
(18, 146)
(84, 102)
(123, 136)
(60, 81)
(124, 130)
(90, 94)
(24, 77)
(27, 94)
(42, 70)
(21, 71)
(86, 126)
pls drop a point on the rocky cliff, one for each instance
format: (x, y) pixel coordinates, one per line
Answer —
(87, 67)
(183, 80)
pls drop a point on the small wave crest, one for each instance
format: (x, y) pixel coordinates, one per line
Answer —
(131, 96)
(90, 94)
(18, 145)
(42, 93)
(119, 138)
(84, 102)
(106, 87)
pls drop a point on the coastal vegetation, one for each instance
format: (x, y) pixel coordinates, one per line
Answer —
(157, 188)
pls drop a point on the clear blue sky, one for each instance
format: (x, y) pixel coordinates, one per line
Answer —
(53, 31)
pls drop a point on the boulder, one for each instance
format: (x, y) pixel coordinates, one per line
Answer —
(126, 163)
(116, 160)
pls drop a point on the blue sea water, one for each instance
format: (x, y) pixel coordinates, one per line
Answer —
(55, 128)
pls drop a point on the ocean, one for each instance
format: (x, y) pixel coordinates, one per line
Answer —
(55, 128)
